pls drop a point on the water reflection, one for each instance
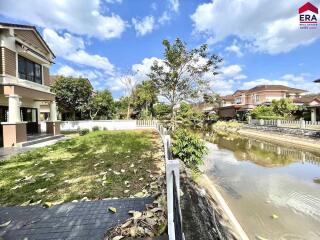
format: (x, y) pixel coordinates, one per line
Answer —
(263, 153)
(259, 178)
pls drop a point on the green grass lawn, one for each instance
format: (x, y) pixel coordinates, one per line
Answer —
(98, 165)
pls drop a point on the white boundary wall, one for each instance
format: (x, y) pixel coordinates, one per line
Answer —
(71, 126)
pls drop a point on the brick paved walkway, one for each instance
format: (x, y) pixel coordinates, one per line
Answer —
(81, 220)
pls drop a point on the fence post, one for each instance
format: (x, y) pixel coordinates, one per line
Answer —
(278, 123)
(261, 122)
(172, 166)
(302, 123)
(249, 119)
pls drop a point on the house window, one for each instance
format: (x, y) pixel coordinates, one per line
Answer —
(238, 100)
(29, 70)
(257, 98)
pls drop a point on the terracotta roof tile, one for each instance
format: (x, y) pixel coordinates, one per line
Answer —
(275, 87)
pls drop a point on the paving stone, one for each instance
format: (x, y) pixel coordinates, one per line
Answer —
(81, 220)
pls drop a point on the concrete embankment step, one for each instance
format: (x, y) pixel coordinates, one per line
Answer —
(41, 139)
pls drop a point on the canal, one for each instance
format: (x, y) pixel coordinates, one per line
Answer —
(273, 190)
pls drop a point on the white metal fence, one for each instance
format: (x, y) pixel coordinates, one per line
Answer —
(287, 123)
(173, 188)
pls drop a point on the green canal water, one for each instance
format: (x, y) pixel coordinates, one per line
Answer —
(272, 190)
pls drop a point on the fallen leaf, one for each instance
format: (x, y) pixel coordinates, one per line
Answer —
(16, 187)
(117, 237)
(122, 170)
(274, 216)
(47, 204)
(35, 203)
(116, 173)
(5, 224)
(135, 214)
(151, 221)
(149, 214)
(25, 203)
(40, 190)
(156, 209)
(133, 231)
(140, 179)
(139, 194)
(113, 210)
(260, 238)
(126, 191)
(126, 224)
(132, 165)
(135, 171)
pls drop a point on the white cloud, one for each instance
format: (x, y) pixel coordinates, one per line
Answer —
(73, 49)
(233, 71)
(229, 76)
(138, 73)
(175, 5)
(275, 32)
(96, 61)
(113, 1)
(80, 17)
(164, 18)
(144, 26)
(96, 77)
(71, 72)
(62, 45)
(234, 48)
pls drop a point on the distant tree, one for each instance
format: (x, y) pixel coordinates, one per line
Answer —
(263, 112)
(102, 105)
(189, 115)
(145, 96)
(162, 111)
(180, 76)
(122, 107)
(72, 94)
(213, 98)
(283, 107)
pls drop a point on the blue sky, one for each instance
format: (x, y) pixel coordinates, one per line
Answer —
(259, 40)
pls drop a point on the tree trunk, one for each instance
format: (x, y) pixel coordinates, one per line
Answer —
(172, 120)
(128, 111)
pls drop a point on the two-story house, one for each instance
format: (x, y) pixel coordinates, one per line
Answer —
(25, 59)
(243, 101)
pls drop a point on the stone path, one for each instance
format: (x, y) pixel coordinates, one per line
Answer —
(80, 220)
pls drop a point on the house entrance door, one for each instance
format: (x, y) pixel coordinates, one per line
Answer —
(29, 115)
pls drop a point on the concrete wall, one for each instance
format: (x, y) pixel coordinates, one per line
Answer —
(69, 126)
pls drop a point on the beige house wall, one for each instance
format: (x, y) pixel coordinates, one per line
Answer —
(8, 62)
(13, 134)
(31, 38)
(46, 76)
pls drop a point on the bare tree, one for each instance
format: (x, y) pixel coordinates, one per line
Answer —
(129, 84)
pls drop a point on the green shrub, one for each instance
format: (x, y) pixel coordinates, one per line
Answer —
(95, 128)
(83, 132)
(188, 147)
